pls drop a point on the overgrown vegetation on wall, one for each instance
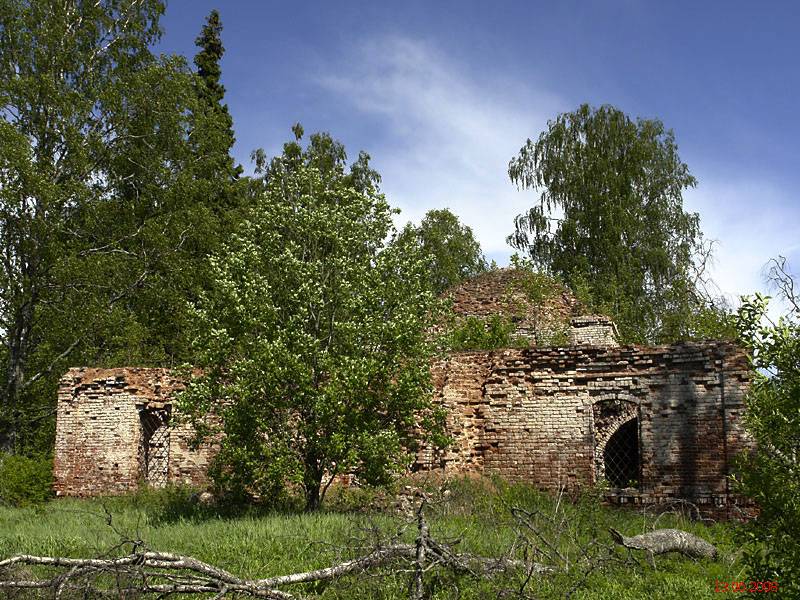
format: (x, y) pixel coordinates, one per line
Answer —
(474, 333)
(531, 308)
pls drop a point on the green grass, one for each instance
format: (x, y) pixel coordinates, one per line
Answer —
(257, 543)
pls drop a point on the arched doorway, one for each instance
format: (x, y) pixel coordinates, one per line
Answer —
(616, 442)
(154, 445)
(621, 456)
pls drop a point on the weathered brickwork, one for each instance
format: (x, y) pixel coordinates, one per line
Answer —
(593, 330)
(498, 292)
(113, 433)
(548, 416)
(501, 292)
(656, 423)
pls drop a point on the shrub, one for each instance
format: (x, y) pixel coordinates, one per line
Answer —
(475, 333)
(771, 474)
(25, 480)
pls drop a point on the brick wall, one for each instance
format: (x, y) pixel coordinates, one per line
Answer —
(100, 432)
(593, 330)
(543, 415)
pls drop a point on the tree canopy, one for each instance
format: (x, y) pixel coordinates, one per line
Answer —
(313, 333)
(99, 193)
(610, 220)
(215, 141)
(452, 250)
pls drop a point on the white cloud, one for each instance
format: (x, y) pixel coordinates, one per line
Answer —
(450, 134)
(753, 221)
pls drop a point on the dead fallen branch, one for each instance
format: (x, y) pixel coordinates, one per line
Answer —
(662, 541)
(165, 573)
(145, 571)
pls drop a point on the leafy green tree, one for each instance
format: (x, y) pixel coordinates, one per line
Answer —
(771, 475)
(453, 252)
(610, 220)
(313, 337)
(97, 197)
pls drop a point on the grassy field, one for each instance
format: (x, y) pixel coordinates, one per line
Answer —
(257, 543)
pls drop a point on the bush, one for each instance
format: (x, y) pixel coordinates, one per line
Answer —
(25, 480)
(771, 474)
(475, 333)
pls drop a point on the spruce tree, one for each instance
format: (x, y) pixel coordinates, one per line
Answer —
(216, 142)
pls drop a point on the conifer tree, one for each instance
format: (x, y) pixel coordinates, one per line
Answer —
(214, 145)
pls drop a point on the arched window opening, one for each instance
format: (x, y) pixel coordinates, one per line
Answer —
(621, 456)
(154, 446)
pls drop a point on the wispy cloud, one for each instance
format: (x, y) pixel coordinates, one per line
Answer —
(447, 134)
(752, 220)
(450, 134)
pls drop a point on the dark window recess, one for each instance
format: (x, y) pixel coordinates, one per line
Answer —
(154, 446)
(621, 456)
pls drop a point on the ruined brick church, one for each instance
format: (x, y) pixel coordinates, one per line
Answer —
(651, 424)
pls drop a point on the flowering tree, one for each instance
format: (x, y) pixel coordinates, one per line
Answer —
(314, 333)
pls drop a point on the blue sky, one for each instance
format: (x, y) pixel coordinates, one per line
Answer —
(443, 94)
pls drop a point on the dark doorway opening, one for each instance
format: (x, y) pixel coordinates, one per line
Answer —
(621, 456)
(154, 446)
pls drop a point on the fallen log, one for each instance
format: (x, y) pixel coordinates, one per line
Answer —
(662, 541)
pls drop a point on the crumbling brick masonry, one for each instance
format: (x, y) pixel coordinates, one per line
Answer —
(113, 433)
(654, 424)
(651, 424)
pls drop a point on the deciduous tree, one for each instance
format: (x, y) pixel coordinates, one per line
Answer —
(610, 220)
(97, 195)
(771, 475)
(313, 336)
(453, 252)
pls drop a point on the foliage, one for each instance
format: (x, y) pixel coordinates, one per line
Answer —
(103, 216)
(532, 298)
(771, 475)
(452, 251)
(610, 221)
(25, 480)
(215, 140)
(475, 333)
(313, 335)
(712, 321)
